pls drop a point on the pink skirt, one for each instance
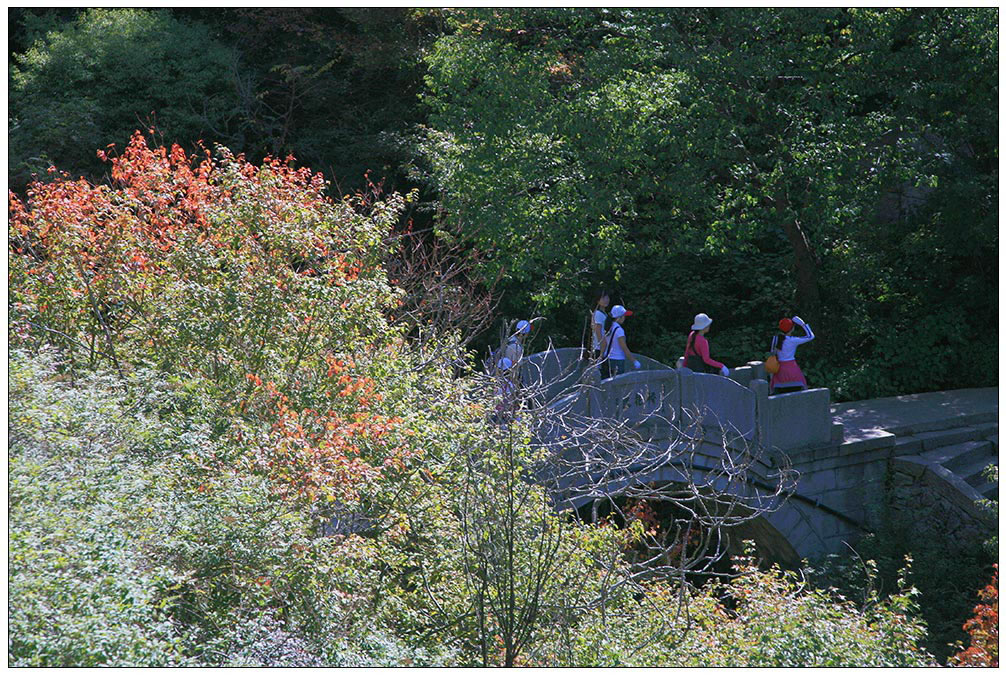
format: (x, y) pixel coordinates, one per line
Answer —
(789, 375)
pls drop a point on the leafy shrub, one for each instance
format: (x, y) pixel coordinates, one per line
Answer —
(192, 558)
(779, 623)
(947, 569)
(760, 618)
(81, 591)
(131, 543)
(214, 271)
(257, 391)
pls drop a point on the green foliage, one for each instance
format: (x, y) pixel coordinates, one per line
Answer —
(991, 474)
(132, 545)
(748, 163)
(760, 619)
(337, 86)
(91, 82)
(781, 624)
(81, 592)
(947, 569)
(487, 558)
(188, 555)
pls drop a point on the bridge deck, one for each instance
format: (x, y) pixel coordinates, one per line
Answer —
(916, 413)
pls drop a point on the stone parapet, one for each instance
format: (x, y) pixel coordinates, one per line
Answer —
(740, 403)
(852, 459)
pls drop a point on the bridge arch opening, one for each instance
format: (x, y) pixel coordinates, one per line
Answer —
(665, 518)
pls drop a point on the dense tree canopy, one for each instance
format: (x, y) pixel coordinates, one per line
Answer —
(336, 88)
(77, 88)
(745, 163)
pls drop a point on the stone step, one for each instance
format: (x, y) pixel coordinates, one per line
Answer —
(974, 473)
(916, 443)
(861, 440)
(945, 437)
(941, 424)
(935, 439)
(971, 453)
(990, 491)
(988, 430)
(907, 445)
(955, 456)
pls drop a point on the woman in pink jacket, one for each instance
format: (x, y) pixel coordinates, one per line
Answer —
(697, 349)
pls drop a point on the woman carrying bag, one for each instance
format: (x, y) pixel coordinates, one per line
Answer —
(697, 357)
(617, 351)
(789, 377)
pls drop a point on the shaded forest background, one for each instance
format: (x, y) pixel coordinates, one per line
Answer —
(749, 164)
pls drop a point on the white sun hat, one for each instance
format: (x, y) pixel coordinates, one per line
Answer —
(701, 321)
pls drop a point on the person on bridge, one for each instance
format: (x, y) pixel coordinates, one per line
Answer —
(514, 349)
(597, 320)
(617, 351)
(790, 377)
(506, 391)
(697, 356)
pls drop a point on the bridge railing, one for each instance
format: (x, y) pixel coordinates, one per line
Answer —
(658, 397)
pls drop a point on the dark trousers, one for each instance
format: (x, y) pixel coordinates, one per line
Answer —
(608, 367)
(616, 367)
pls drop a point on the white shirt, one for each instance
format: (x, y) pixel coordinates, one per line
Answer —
(613, 335)
(514, 350)
(599, 319)
(789, 344)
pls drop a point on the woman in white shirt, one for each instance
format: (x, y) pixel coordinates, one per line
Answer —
(617, 349)
(790, 377)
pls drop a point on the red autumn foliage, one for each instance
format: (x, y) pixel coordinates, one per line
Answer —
(675, 544)
(332, 454)
(983, 628)
(191, 262)
(247, 279)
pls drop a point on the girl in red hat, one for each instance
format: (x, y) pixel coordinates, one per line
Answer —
(790, 377)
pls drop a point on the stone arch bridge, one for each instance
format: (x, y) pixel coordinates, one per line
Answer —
(851, 460)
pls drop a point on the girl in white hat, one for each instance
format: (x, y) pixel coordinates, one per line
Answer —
(697, 349)
(515, 343)
(617, 350)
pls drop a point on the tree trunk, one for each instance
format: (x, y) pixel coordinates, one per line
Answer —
(808, 299)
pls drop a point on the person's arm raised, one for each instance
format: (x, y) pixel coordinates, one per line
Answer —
(806, 329)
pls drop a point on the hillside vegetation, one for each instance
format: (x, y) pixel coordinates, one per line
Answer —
(248, 419)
